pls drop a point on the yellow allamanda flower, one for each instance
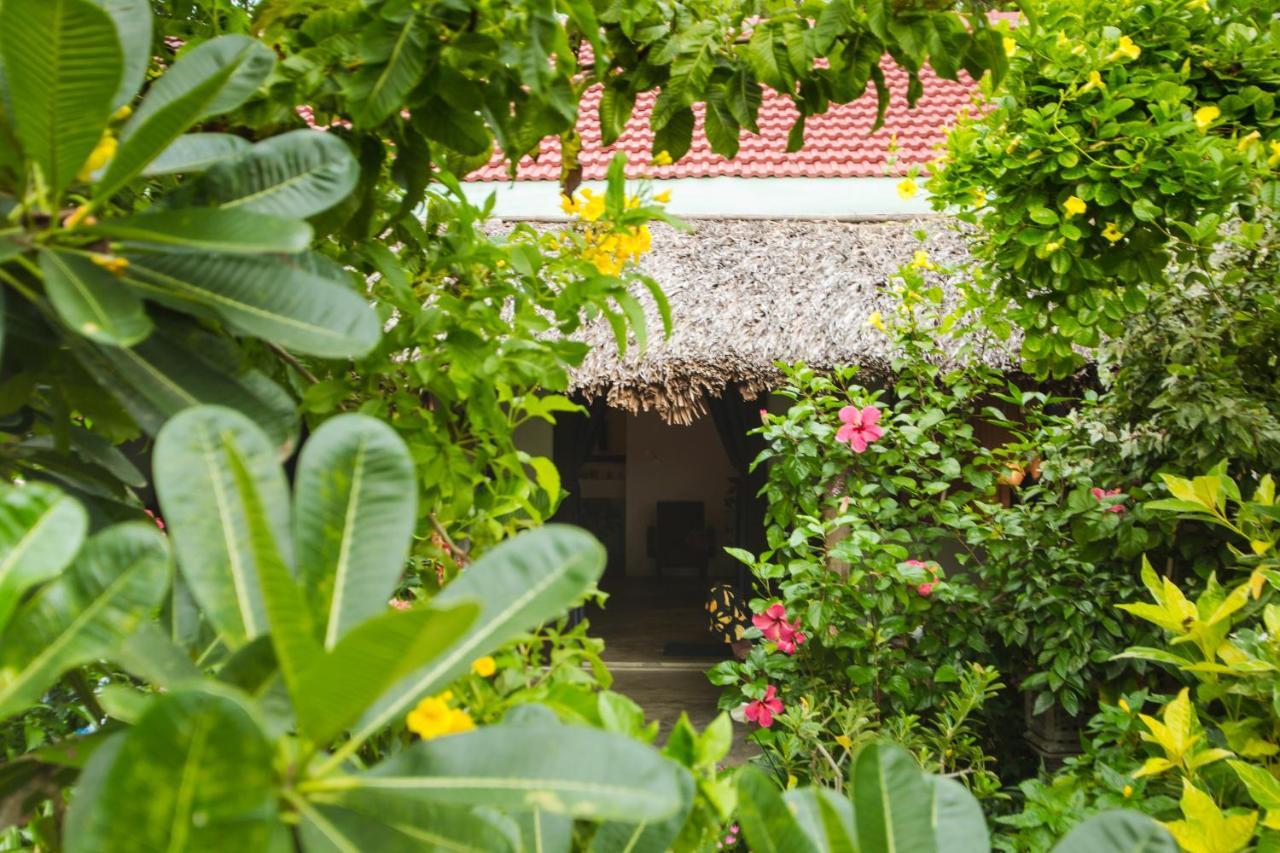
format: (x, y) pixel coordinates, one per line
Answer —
(1113, 233)
(876, 320)
(921, 261)
(1125, 49)
(1206, 116)
(112, 264)
(907, 189)
(1094, 82)
(1074, 206)
(99, 157)
(662, 159)
(663, 197)
(433, 718)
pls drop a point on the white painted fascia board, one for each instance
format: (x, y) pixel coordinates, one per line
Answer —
(726, 198)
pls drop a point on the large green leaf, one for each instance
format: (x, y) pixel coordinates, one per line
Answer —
(296, 174)
(340, 685)
(521, 583)
(93, 301)
(1118, 830)
(195, 773)
(40, 531)
(208, 230)
(892, 802)
(211, 78)
(544, 832)
(578, 771)
(207, 514)
(115, 580)
(179, 366)
(353, 521)
(825, 816)
(768, 825)
(63, 65)
(388, 824)
(195, 152)
(133, 27)
(958, 823)
(263, 297)
(151, 654)
(656, 837)
(381, 88)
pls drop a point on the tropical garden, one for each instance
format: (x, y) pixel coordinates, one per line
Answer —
(275, 574)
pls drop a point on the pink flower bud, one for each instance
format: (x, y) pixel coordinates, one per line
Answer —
(925, 589)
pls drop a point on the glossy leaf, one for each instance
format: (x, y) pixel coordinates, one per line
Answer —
(296, 175)
(560, 769)
(825, 816)
(519, 584)
(768, 825)
(369, 660)
(354, 518)
(211, 78)
(263, 297)
(1129, 831)
(180, 366)
(133, 27)
(62, 67)
(208, 230)
(207, 514)
(93, 301)
(194, 152)
(40, 531)
(117, 578)
(389, 824)
(958, 823)
(195, 773)
(891, 800)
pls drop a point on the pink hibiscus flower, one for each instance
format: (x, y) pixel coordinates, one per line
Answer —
(1103, 494)
(788, 643)
(772, 622)
(761, 711)
(859, 427)
(925, 589)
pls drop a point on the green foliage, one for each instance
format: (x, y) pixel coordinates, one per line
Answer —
(895, 806)
(1125, 140)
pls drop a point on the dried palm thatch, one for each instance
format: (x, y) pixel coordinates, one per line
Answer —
(748, 293)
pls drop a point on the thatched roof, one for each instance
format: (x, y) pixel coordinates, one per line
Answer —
(747, 293)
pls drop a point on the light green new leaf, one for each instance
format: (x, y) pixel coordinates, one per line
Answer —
(892, 803)
(825, 816)
(208, 230)
(1129, 831)
(356, 508)
(194, 774)
(389, 824)
(340, 685)
(1262, 786)
(180, 366)
(40, 531)
(62, 63)
(117, 578)
(958, 823)
(263, 297)
(296, 175)
(194, 152)
(211, 78)
(569, 770)
(768, 825)
(521, 583)
(207, 513)
(133, 27)
(93, 301)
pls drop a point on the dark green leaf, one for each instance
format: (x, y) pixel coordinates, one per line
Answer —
(208, 230)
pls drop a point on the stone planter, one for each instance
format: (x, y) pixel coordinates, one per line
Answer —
(1053, 734)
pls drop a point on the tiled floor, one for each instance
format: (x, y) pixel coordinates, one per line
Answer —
(641, 617)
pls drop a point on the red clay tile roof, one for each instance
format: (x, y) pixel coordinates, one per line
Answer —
(837, 144)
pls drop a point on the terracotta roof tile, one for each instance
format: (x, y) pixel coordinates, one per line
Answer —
(837, 143)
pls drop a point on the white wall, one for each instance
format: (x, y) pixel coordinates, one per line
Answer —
(666, 462)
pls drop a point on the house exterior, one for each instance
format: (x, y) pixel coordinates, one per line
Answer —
(789, 256)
